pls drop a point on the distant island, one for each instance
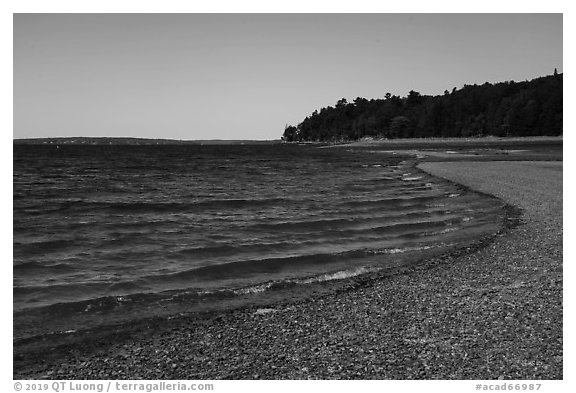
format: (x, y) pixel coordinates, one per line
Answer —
(134, 141)
(507, 109)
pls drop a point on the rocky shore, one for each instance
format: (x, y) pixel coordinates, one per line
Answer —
(493, 312)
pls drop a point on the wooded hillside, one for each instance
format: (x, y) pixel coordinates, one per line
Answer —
(504, 109)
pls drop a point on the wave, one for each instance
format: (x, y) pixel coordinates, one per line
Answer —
(412, 178)
(161, 207)
(42, 246)
(338, 275)
(331, 241)
(407, 200)
(84, 205)
(246, 270)
(43, 267)
(130, 306)
(188, 296)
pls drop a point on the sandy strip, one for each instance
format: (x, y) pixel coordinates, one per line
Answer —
(533, 186)
(491, 314)
(526, 266)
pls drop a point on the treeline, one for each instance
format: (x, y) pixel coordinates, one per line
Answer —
(504, 109)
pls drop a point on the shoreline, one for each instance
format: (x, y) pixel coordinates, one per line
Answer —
(32, 325)
(510, 219)
(398, 327)
(382, 323)
(85, 346)
(463, 140)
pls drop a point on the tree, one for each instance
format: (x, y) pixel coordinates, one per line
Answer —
(398, 126)
(341, 103)
(508, 108)
(414, 98)
(290, 134)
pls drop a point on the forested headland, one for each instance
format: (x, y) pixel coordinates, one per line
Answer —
(529, 108)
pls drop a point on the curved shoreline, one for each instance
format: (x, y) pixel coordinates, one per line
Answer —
(464, 318)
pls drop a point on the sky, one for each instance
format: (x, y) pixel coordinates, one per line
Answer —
(246, 76)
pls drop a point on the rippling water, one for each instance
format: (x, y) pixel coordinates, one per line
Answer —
(97, 228)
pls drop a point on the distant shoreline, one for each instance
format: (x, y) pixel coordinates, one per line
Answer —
(359, 142)
(432, 141)
(135, 141)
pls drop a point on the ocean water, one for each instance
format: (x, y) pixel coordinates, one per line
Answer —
(110, 234)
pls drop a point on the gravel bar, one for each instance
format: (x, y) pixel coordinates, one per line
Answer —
(493, 312)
